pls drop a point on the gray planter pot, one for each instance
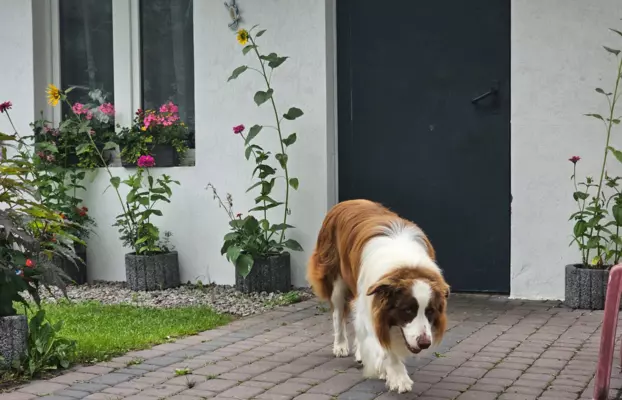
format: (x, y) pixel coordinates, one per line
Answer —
(272, 274)
(586, 288)
(13, 339)
(155, 272)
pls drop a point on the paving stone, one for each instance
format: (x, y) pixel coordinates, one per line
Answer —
(111, 379)
(241, 392)
(216, 385)
(88, 387)
(72, 377)
(96, 370)
(72, 393)
(42, 388)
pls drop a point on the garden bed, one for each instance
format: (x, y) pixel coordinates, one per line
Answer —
(222, 299)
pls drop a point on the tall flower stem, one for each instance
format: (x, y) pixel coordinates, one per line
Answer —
(609, 124)
(278, 129)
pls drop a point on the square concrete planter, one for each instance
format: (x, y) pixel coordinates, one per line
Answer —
(13, 339)
(154, 272)
(165, 156)
(272, 274)
(586, 288)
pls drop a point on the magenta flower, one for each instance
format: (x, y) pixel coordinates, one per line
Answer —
(238, 129)
(107, 108)
(574, 159)
(79, 109)
(146, 161)
(151, 119)
(5, 106)
(89, 115)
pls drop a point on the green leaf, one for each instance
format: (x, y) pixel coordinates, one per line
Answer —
(233, 253)
(244, 265)
(617, 214)
(597, 116)
(266, 208)
(616, 31)
(110, 146)
(248, 152)
(612, 51)
(293, 182)
(253, 186)
(282, 159)
(616, 153)
(261, 32)
(248, 48)
(580, 228)
(115, 181)
(237, 72)
(261, 97)
(254, 131)
(267, 199)
(280, 227)
(599, 90)
(293, 113)
(291, 139)
(580, 195)
(250, 225)
(82, 148)
(292, 245)
(274, 60)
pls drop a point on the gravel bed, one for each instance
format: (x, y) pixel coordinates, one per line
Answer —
(223, 299)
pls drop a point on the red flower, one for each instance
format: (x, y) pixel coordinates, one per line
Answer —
(574, 159)
(238, 129)
(5, 106)
(30, 263)
(146, 161)
(82, 211)
(238, 215)
(63, 216)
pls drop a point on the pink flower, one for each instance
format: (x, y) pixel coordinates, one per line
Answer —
(89, 115)
(107, 108)
(78, 109)
(169, 107)
(238, 129)
(574, 159)
(151, 119)
(50, 158)
(5, 106)
(146, 161)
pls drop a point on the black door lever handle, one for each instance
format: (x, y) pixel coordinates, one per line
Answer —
(494, 90)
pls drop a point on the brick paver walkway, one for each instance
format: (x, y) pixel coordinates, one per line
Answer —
(495, 349)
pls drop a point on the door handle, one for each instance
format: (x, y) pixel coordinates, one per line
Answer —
(494, 90)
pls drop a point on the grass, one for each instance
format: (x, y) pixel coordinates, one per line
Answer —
(105, 331)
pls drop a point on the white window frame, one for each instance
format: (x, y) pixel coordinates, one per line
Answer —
(126, 60)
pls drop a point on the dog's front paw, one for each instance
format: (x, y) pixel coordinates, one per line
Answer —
(399, 383)
(357, 355)
(341, 350)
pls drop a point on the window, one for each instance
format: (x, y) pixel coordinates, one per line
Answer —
(86, 49)
(167, 56)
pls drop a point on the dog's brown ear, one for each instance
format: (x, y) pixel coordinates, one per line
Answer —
(447, 291)
(382, 286)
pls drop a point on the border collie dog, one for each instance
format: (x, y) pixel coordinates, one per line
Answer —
(381, 267)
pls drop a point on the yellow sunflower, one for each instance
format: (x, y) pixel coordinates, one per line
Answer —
(243, 36)
(53, 95)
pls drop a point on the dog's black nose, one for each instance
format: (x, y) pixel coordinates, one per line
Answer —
(424, 342)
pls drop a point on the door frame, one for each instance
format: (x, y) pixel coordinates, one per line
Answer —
(341, 59)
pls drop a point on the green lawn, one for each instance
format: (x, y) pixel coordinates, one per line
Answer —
(105, 331)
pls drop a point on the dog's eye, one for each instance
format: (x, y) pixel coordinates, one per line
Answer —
(429, 313)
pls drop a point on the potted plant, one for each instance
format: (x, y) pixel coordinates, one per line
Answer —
(256, 247)
(25, 259)
(598, 220)
(69, 145)
(57, 188)
(159, 133)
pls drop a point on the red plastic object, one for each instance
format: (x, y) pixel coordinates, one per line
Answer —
(608, 334)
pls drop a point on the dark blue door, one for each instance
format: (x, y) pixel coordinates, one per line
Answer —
(424, 125)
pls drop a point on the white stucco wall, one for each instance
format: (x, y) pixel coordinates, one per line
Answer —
(295, 28)
(16, 75)
(557, 61)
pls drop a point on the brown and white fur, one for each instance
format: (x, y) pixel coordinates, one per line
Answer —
(383, 266)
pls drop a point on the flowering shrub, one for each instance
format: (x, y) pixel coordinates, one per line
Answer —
(69, 142)
(152, 127)
(251, 238)
(598, 221)
(26, 225)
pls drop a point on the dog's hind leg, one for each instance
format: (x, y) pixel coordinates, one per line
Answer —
(339, 302)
